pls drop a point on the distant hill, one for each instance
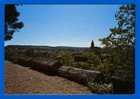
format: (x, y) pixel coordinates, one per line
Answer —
(37, 46)
(51, 48)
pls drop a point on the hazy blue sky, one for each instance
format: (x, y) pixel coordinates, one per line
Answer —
(64, 25)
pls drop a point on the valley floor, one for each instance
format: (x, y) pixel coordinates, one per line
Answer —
(23, 80)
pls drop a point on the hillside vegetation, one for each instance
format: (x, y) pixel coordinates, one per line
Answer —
(109, 61)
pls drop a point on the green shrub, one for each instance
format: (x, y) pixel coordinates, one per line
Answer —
(100, 88)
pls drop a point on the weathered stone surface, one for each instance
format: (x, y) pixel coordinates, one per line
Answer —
(50, 67)
(55, 68)
(24, 61)
(76, 74)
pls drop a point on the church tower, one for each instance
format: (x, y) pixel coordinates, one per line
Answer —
(92, 44)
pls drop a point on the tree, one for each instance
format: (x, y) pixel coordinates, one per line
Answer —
(12, 23)
(124, 33)
(121, 42)
(92, 44)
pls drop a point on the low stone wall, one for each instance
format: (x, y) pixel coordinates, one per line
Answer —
(78, 75)
(55, 68)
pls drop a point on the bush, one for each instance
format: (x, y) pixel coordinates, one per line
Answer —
(100, 88)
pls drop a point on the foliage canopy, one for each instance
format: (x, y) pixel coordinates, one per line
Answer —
(12, 23)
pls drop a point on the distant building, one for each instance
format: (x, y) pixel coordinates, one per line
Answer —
(92, 45)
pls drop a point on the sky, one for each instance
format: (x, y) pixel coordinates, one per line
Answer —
(64, 25)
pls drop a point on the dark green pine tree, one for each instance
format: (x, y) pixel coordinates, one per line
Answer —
(92, 44)
(124, 33)
(121, 42)
(12, 23)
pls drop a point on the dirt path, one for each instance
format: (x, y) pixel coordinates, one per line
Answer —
(20, 79)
